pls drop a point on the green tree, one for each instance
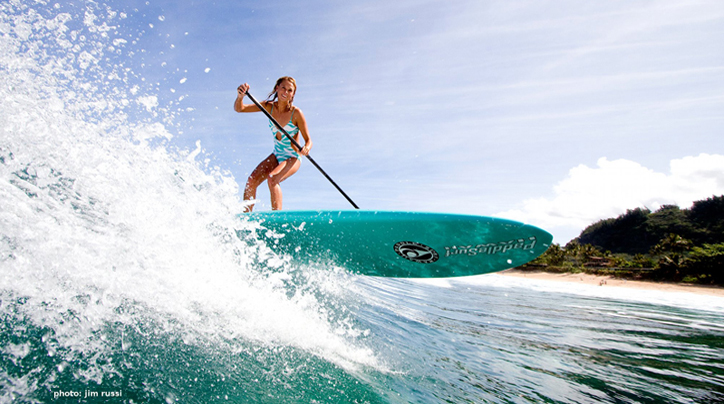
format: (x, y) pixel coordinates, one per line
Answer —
(587, 251)
(643, 261)
(554, 256)
(671, 256)
(669, 219)
(707, 261)
(627, 233)
(708, 217)
(671, 243)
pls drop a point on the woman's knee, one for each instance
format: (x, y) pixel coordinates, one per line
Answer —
(251, 184)
(255, 179)
(273, 181)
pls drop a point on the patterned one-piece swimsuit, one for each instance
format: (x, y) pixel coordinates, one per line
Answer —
(283, 148)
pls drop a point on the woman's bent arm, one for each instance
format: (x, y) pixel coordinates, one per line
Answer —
(239, 105)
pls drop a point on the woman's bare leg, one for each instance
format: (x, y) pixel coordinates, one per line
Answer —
(283, 171)
(259, 175)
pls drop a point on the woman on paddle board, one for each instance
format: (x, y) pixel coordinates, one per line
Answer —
(284, 161)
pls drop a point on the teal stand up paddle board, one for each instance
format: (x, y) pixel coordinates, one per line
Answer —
(402, 244)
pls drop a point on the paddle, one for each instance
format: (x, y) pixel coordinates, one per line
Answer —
(298, 146)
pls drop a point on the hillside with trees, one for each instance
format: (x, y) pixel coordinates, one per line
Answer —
(670, 244)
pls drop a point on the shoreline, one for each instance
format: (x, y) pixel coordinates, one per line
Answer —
(610, 281)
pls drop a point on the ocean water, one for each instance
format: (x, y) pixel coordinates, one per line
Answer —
(125, 275)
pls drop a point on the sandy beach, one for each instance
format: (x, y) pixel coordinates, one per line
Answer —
(609, 281)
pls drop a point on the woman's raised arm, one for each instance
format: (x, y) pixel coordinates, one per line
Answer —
(239, 105)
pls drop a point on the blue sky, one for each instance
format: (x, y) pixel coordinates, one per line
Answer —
(555, 113)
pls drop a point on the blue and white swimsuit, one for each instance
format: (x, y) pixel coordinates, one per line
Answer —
(283, 148)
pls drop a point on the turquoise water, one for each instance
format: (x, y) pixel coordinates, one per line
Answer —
(509, 340)
(124, 278)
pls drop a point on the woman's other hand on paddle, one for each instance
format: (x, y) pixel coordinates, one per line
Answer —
(305, 150)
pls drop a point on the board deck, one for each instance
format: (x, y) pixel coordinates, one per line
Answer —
(402, 244)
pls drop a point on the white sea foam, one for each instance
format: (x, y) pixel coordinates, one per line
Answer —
(669, 298)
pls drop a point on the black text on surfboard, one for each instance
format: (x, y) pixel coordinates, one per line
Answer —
(492, 248)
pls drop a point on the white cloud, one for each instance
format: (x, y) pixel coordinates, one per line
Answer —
(608, 190)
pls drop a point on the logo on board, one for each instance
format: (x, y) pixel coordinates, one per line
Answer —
(416, 252)
(421, 253)
(492, 248)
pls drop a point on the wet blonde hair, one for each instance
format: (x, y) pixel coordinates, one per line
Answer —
(273, 94)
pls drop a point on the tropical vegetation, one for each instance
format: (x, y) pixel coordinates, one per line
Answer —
(670, 244)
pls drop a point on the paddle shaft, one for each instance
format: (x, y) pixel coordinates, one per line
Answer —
(298, 146)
